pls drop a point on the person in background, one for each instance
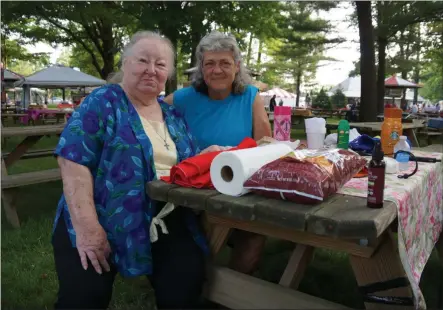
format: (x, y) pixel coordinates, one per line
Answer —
(281, 102)
(120, 138)
(414, 108)
(308, 101)
(222, 107)
(272, 103)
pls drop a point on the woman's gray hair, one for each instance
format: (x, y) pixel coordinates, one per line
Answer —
(217, 42)
(127, 51)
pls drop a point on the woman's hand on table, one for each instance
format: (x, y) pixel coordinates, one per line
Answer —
(92, 242)
(215, 148)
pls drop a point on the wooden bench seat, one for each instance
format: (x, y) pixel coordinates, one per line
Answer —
(235, 290)
(430, 135)
(29, 178)
(34, 154)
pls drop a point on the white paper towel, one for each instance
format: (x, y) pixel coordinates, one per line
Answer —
(229, 170)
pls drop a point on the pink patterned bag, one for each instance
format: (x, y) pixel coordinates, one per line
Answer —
(282, 123)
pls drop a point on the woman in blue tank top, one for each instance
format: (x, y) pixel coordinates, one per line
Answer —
(222, 108)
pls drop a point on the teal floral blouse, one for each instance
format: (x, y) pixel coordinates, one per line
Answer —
(105, 134)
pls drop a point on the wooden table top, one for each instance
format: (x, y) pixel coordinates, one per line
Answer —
(376, 126)
(32, 130)
(339, 216)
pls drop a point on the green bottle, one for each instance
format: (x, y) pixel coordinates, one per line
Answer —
(343, 134)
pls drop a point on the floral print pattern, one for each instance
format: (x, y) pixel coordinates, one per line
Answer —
(105, 134)
(420, 214)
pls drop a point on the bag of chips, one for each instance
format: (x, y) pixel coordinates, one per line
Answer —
(306, 176)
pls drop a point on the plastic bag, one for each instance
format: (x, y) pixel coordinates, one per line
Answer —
(306, 176)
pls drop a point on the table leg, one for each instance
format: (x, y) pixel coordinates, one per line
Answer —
(296, 267)
(3, 139)
(439, 247)
(410, 133)
(381, 277)
(8, 197)
(21, 149)
(217, 235)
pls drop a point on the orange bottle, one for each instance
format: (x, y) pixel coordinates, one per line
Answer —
(391, 130)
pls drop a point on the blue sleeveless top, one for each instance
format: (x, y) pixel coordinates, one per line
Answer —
(216, 122)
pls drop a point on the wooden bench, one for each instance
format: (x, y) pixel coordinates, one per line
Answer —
(33, 154)
(429, 135)
(11, 182)
(239, 291)
(29, 178)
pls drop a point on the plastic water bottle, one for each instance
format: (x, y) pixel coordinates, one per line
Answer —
(402, 158)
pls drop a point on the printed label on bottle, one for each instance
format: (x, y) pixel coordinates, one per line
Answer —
(376, 185)
(402, 157)
(395, 135)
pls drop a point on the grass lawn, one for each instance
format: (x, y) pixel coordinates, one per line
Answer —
(29, 280)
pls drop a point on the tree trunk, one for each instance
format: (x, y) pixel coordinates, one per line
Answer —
(109, 52)
(297, 98)
(417, 65)
(260, 50)
(171, 84)
(368, 110)
(195, 37)
(381, 68)
(248, 57)
(382, 42)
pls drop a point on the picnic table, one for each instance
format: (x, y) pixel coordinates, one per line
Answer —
(341, 223)
(374, 128)
(46, 116)
(15, 116)
(31, 135)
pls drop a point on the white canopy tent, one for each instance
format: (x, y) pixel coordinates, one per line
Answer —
(351, 88)
(57, 76)
(281, 94)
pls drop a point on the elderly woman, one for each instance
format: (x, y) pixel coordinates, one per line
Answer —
(120, 138)
(221, 109)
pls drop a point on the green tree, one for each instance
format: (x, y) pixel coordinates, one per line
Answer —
(338, 99)
(303, 40)
(393, 17)
(432, 73)
(98, 27)
(14, 54)
(356, 70)
(64, 58)
(322, 100)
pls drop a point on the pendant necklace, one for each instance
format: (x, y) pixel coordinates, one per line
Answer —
(166, 145)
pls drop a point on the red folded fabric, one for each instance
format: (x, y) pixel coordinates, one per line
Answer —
(194, 171)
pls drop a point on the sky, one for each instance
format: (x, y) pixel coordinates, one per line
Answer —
(345, 53)
(330, 74)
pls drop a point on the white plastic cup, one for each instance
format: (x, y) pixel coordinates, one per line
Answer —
(315, 137)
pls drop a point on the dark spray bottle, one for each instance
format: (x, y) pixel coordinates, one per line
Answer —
(376, 177)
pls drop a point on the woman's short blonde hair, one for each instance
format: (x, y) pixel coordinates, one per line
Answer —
(127, 50)
(217, 42)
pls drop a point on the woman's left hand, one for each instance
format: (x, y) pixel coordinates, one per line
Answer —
(215, 148)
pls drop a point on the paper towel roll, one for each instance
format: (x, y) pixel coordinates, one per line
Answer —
(229, 170)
